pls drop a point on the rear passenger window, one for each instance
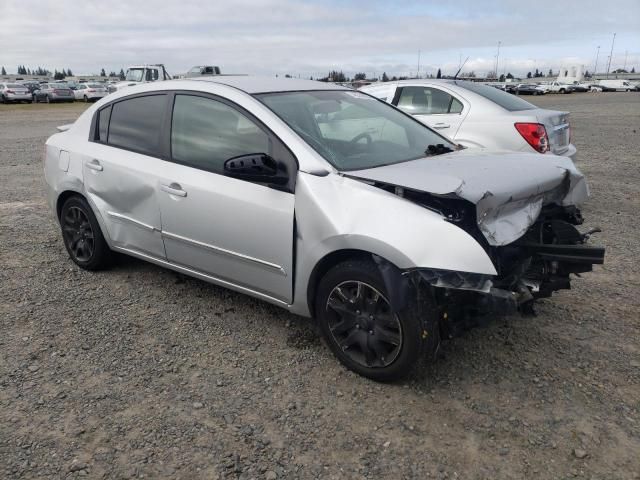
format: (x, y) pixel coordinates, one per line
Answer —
(205, 133)
(427, 101)
(103, 124)
(136, 124)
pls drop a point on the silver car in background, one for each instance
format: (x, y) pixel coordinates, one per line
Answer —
(14, 92)
(476, 115)
(89, 92)
(322, 200)
(53, 92)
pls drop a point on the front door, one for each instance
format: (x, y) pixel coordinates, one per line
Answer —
(239, 232)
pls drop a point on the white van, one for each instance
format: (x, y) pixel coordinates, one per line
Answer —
(616, 85)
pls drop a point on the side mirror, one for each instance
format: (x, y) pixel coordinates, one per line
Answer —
(257, 167)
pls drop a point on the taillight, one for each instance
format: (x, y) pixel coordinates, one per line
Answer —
(10, 91)
(535, 134)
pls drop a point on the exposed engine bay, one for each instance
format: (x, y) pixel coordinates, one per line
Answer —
(534, 266)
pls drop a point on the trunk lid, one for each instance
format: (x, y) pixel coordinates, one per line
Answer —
(557, 125)
(558, 129)
(508, 190)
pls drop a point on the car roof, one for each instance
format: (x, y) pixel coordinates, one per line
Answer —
(262, 84)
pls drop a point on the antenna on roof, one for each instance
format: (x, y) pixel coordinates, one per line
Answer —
(461, 66)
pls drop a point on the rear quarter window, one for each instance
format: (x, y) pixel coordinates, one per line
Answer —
(505, 100)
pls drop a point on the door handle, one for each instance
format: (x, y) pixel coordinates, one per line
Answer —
(173, 189)
(94, 165)
(441, 125)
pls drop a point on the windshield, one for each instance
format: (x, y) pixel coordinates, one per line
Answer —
(502, 98)
(14, 85)
(134, 74)
(352, 130)
(95, 85)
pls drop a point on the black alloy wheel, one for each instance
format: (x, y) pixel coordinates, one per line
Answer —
(78, 234)
(360, 326)
(82, 236)
(363, 324)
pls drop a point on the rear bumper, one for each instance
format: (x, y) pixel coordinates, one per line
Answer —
(570, 152)
(18, 98)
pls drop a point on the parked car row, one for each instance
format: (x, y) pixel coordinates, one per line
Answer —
(330, 202)
(50, 92)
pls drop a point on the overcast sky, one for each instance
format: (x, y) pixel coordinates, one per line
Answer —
(311, 37)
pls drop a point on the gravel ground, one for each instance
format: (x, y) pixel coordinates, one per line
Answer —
(138, 372)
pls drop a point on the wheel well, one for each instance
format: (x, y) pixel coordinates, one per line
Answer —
(63, 197)
(325, 264)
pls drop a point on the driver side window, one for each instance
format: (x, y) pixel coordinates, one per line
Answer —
(205, 133)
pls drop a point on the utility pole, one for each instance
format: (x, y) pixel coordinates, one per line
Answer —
(626, 53)
(497, 57)
(611, 54)
(595, 67)
(418, 75)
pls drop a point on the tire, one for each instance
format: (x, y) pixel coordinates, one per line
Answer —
(4, 100)
(48, 100)
(366, 336)
(86, 99)
(35, 99)
(82, 236)
(562, 90)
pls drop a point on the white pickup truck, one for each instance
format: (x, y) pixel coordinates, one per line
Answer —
(558, 87)
(137, 74)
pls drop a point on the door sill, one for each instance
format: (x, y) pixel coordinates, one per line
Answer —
(202, 276)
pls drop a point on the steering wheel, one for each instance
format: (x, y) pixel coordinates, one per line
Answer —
(357, 138)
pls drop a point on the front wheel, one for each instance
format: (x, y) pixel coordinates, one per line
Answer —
(82, 236)
(361, 328)
(48, 100)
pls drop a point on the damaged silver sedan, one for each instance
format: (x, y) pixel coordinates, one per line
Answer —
(322, 200)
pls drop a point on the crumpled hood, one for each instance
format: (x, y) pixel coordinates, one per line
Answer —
(508, 189)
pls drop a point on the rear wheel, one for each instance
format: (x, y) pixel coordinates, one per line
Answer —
(361, 328)
(82, 236)
(86, 99)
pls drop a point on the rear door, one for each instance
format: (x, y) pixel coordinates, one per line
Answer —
(120, 171)
(237, 231)
(433, 106)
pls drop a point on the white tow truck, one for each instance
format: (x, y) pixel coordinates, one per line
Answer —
(137, 74)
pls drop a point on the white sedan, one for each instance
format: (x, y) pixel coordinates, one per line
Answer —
(89, 92)
(477, 115)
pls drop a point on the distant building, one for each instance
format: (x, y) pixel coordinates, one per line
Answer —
(571, 74)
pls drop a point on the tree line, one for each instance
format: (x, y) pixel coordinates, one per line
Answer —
(340, 77)
(58, 74)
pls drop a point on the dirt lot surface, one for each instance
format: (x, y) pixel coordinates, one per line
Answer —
(138, 372)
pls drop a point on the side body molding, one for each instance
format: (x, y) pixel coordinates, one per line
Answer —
(337, 213)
